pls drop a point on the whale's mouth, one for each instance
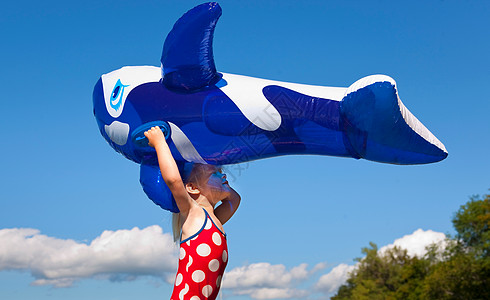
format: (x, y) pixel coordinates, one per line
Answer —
(118, 132)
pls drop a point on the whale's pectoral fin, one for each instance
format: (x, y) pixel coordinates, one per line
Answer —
(138, 136)
(155, 188)
(379, 127)
(187, 58)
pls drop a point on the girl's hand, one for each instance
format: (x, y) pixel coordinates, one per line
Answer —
(155, 136)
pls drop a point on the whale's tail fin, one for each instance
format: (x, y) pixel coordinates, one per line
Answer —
(379, 127)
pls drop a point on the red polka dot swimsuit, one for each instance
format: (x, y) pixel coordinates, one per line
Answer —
(202, 261)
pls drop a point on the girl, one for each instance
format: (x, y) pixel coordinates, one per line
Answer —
(203, 249)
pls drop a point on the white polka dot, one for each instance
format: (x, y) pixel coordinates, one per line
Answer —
(178, 279)
(188, 264)
(225, 256)
(207, 290)
(182, 254)
(203, 250)
(188, 243)
(195, 298)
(194, 238)
(184, 291)
(216, 239)
(213, 265)
(208, 225)
(218, 281)
(198, 276)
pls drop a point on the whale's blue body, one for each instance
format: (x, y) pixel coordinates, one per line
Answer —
(226, 119)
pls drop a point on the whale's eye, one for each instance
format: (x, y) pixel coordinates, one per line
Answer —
(117, 95)
(115, 92)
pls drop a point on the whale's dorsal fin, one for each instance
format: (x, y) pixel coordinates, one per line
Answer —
(187, 57)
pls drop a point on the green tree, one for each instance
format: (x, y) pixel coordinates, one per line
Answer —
(464, 270)
(460, 270)
(461, 276)
(472, 223)
(392, 274)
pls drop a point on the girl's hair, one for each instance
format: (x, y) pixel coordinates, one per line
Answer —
(176, 227)
(190, 173)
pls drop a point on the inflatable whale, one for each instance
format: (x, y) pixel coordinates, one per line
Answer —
(220, 118)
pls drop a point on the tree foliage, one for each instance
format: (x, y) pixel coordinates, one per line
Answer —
(472, 223)
(458, 270)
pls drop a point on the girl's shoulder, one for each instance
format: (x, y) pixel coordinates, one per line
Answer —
(193, 221)
(195, 211)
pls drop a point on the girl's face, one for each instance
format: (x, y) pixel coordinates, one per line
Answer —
(215, 184)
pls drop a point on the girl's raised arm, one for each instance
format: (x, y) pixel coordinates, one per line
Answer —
(168, 167)
(228, 207)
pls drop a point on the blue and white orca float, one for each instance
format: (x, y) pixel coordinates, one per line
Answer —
(220, 118)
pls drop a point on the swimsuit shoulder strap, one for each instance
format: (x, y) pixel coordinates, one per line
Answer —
(211, 219)
(206, 212)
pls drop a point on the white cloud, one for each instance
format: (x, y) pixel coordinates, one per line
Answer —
(273, 293)
(414, 243)
(263, 274)
(330, 282)
(116, 255)
(266, 281)
(130, 254)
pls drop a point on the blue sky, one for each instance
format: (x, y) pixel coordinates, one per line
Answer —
(61, 178)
